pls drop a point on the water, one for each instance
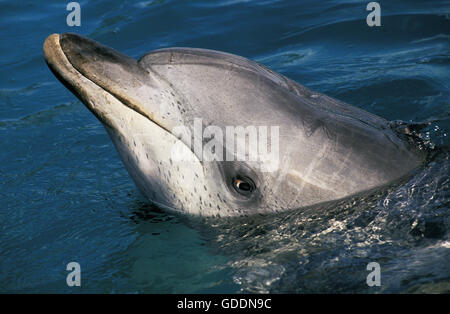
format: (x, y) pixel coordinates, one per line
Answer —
(65, 196)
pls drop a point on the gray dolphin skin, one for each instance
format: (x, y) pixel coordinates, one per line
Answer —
(327, 150)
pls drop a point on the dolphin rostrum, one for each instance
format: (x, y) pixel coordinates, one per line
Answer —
(165, 110)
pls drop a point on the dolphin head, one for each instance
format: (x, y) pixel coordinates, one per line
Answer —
(214, 134)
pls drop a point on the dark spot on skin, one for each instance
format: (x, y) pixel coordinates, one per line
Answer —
(146, 155)
(195, 190)
(134, 143)
(218, 207)
(205, 188)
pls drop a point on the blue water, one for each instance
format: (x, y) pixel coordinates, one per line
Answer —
(65, 196)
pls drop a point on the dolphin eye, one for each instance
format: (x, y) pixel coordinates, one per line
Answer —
(243, 185)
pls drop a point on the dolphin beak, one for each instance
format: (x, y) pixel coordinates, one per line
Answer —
(103, 65)
(60, 65)
(87, 67)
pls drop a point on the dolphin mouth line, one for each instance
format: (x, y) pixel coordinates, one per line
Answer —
(77, 82)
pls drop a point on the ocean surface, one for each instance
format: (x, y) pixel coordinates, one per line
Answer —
(66, 197)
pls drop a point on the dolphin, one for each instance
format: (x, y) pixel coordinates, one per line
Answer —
(326, 150)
